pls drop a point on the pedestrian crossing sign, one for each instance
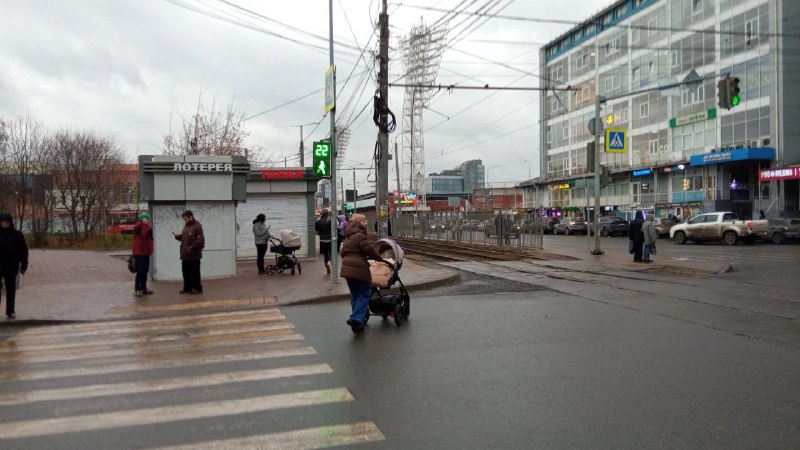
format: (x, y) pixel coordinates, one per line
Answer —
(616, 140)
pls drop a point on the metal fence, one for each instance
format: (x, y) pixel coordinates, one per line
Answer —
(517, 230)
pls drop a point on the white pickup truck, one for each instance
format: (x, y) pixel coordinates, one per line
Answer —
(724, 226)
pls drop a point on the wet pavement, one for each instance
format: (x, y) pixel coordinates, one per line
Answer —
(240, 379)
(86, 286)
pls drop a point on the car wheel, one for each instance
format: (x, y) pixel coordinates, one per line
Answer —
(680, 237)
(730, 237)
(604, 232)
(566, 231)
(777, 238)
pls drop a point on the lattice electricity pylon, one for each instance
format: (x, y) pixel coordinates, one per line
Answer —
(342, 141)
(422, 55)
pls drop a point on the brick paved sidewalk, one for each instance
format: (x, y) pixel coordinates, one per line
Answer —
(84, 285)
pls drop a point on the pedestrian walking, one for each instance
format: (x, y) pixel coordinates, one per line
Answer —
(636, 236)
(761, 215)
(650, 238)
(261, 234)
(13, 260)
(341, 227)
(323, 227)
(142, 249)
(192, 243)
(355, 269)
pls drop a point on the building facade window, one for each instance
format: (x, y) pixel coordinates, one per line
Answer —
(644, 110)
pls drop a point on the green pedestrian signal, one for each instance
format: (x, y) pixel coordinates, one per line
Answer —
(322, 159)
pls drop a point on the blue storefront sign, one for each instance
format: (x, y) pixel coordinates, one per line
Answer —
(739, 154)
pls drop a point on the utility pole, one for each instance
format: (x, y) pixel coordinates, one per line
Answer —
(597, 101)
(355, 190)
(302, 144)
(397, 165)
(334, 202)
(382, 185)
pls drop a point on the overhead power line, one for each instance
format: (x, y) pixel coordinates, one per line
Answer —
(450, 87)
(573, 22)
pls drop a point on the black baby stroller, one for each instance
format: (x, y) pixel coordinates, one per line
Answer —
(386, 301)
(284, 249)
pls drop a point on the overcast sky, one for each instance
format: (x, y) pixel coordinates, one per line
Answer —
(125, 67)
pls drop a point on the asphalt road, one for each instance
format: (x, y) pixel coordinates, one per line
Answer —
(541, 369)
(760, 263)
(516, 354)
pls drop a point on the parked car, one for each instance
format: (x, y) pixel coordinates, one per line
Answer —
(725, 226)
(436, 227)
(550, 224)
(610, 225)
(570, 225)
(781, 230)
(489, 229)
(663, 226)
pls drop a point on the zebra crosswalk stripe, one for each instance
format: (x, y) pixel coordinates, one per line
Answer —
(106, 363)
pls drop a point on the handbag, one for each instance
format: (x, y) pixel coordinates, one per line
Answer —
(630, 246)
(132, 264)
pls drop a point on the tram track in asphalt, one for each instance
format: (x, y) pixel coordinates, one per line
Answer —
(447, 251)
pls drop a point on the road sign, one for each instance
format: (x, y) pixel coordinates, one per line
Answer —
(593, 127)
(616, 140)
(330, 90)
(322, 158)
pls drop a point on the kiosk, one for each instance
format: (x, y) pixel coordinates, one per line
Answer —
(286, 195)
(209, 186)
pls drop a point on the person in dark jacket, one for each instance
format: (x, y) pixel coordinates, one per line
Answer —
(13, 260)
(192, 243)
(323, 227)
(636, 235)
(261, 235)
(355, 269)
(142, 249)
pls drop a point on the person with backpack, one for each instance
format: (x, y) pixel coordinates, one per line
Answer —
(323, 228)
(142, 249)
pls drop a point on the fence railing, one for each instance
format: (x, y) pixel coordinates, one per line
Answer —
(518, 230)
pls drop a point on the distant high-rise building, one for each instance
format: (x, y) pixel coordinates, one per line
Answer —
(474, 174)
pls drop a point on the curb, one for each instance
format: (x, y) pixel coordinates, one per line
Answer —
(444, 281)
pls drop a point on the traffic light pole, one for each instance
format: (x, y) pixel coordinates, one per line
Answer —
(334, 201)
(596, 221)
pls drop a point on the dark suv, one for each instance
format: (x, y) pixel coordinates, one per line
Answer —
(550, 224)
(610, 226)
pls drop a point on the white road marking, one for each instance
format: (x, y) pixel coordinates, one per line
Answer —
(139, 329)
(308, 439)
(140, 387)
(184, 360)
(138, 417)
(12, 345)
(147, 351)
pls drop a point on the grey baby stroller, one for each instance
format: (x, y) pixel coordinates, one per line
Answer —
(386, 300)
(284, 249)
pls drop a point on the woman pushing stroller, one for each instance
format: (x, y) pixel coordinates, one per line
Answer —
(355, 269)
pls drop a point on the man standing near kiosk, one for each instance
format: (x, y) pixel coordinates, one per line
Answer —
(192, 243)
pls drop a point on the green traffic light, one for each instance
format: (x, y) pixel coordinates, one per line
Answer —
(735, 100)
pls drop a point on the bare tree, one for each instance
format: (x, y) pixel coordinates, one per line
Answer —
(43, 198)
(24, 141)
(209, 131)
(86, 182)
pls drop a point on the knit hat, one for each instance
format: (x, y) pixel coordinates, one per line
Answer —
(356, 218)
(143, 216)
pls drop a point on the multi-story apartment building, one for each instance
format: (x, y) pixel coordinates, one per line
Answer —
(685, 154)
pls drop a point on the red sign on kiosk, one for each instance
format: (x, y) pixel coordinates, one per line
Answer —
(779, 173)
(283, 174)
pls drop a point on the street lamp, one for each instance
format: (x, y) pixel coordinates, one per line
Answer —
(302, 145)
(487, 175)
